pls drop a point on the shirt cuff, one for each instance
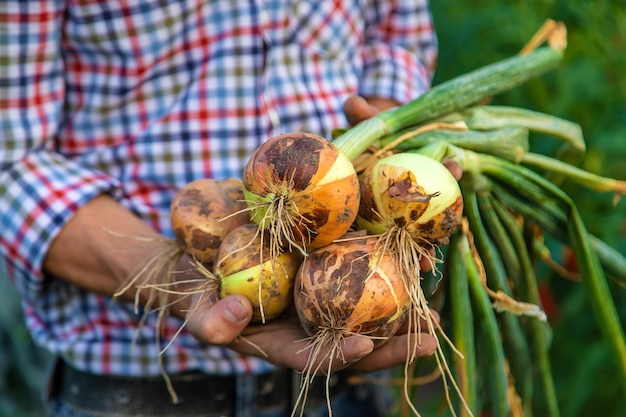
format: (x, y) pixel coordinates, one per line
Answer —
(42, 193)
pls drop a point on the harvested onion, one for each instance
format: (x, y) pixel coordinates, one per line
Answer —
(302, 189)
(203, 212)
(412, 192)
(244, 265)
(345, 288)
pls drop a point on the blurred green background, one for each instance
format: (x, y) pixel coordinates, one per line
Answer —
(589, 88)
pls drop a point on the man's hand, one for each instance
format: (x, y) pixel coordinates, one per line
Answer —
(283, 342)
(357, 108)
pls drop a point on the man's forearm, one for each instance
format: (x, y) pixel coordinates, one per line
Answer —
(102, 246)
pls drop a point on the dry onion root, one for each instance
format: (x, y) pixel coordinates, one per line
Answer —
(346, 288)
(302, 189)
(413, 204)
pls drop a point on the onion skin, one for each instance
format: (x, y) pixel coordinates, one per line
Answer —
(413, 192)
(351, 287)
(202, 213)
(314, 175)
(243, 260)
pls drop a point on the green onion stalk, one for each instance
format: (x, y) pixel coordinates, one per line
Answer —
(450, 96)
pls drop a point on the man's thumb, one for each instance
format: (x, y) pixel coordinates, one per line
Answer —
(357, 109)
(222, 322)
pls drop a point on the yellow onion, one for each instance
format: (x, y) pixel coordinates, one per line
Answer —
(412, 192)
(303, 189)
(244, 265)
(351, 287)
(203, 212)
(344, 288)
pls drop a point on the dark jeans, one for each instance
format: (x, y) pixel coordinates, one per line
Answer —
(249, 394)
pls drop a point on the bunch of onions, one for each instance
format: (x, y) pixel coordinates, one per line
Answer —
(302, 189)
(413, 204)
(345, 288)
(244, 265)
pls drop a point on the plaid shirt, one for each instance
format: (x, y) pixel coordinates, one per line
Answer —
(138, 97)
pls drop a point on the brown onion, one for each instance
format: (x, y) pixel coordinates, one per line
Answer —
(303, 189)
(342, 289)
(351, 287)
(203, 212)
(412, 192)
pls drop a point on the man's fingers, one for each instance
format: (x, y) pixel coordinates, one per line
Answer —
(286, 345)
(335, 357)
(220, 323)
(357, 109)
(427, 263)
(397, 351)
(454, 168)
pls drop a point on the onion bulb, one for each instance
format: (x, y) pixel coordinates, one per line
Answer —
(350, 287)
(345, 288)
(302, 189)
(203, 212)
(412, 192)
(244, 265)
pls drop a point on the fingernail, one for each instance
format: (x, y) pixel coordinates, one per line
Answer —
(235, 312)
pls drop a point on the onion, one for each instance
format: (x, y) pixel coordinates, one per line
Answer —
(302, 189)
(345, 288)
(244, 265)
(414, 204)
(412, 192)
(349, 287)
(203, 212)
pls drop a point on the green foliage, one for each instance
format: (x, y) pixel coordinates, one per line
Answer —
(590, 89)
